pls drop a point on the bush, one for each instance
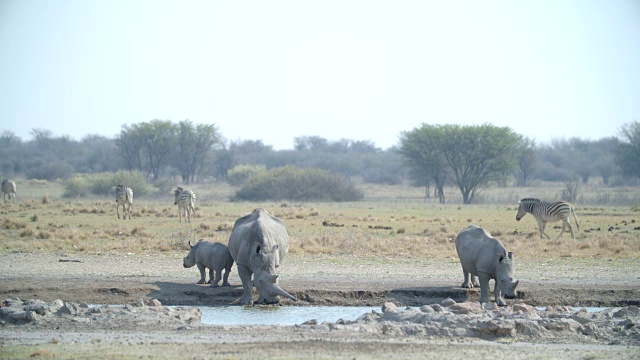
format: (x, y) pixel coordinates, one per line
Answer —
(289, 183)
(102, 184)
(241, 173)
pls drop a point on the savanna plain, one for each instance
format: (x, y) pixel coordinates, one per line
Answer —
(393, 247)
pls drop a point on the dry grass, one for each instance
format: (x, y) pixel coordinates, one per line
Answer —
(405, 228)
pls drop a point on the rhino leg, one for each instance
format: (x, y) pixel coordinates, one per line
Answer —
(214, 283)
(247, 286)
(468, 280)
(484, 287)
(498, 295)
(202, 274)
(225, 279)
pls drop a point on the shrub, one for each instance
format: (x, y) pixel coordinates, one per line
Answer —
(102, 184)
(241, 173)
(289, 183)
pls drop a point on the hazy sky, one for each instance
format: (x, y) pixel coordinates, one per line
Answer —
(361, 70)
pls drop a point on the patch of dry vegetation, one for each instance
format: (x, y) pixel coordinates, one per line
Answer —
(392, 229)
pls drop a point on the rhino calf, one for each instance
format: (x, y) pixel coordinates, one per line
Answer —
(212, 256)
(483, 257)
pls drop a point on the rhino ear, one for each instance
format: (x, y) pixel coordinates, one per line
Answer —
(500, 257)
(510, 255)
(190, 245)
(274, 248)
(274, 278)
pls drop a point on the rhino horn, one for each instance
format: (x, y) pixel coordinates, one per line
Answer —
(281, 292)
(510, 255)
(516, 283)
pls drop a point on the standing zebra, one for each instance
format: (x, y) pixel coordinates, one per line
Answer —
(124, 198)
(545, 212)
(8, 188)
(186, 201)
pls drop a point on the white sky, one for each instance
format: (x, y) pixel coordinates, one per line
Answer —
(361, 70)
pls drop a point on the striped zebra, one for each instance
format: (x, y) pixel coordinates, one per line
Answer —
(8, 188)
(186, 201)
(545, 212)
(124, 198)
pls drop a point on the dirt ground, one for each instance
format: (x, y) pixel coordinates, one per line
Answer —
(123, 279)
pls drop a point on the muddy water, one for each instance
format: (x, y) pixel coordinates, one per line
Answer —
(290, 315)
(279, 315)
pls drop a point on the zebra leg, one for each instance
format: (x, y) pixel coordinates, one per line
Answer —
(573, 237)
(561, 230)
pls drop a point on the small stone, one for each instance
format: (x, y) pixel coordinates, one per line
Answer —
(426, 309)
(489, 306)
(69, 308)
(465, 308)
(389, 306)
(437, 308)
(524, 308)
(447, 302)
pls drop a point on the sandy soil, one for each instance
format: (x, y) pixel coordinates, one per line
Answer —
(123, 279)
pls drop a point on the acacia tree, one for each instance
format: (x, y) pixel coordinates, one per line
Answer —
(628, 150)
(477, 155)
(129, 144)
(194, 143)
(422, 150)
(527, 161)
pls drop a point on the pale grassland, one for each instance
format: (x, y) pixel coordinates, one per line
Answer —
(392, 222)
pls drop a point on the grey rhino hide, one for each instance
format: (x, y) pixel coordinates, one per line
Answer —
(213, 256)
(484, 257)
(258, 244)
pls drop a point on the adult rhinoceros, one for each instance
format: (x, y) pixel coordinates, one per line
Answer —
(484, 257)
(258, 243)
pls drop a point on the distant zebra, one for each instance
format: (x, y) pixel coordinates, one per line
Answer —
(124, 198)
(8, 188)
(545, 212)
(186, 201)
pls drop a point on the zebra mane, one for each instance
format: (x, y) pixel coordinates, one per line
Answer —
(529, 200)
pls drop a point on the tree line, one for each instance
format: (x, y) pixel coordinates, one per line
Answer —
(433, 156)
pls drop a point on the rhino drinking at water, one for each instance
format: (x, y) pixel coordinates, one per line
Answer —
(484, 257)
(258, 243)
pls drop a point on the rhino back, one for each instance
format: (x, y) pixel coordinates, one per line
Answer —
(258, 227)
(477, 250)
(206, 253)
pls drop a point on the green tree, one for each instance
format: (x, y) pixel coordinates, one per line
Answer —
(527, 160)
(129, 145)
(477, 155)
(628, 149)
(422, 151)
(158, 139)
(194, 143)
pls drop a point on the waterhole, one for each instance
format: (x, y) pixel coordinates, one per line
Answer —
(279, 315)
